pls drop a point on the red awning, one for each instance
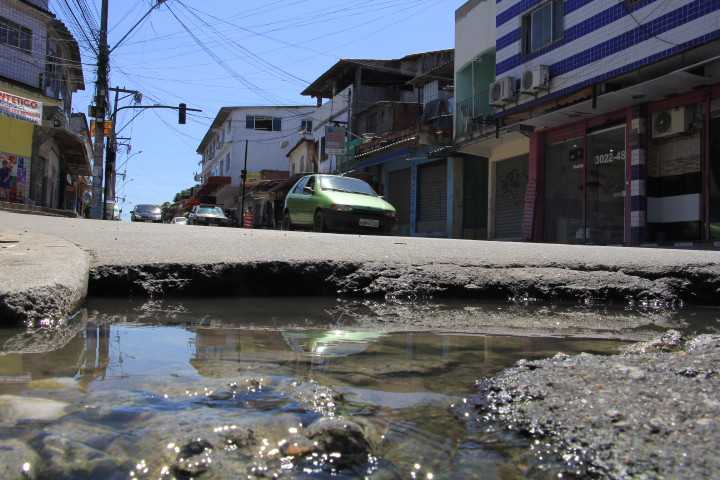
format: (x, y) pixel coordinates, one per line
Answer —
(214, 184)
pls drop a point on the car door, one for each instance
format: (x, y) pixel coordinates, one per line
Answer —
(306, 201)
(294, 201)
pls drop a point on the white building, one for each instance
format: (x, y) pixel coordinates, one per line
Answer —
(270, 132)
(333, 112)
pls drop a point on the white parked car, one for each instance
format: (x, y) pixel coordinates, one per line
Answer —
(179, 221)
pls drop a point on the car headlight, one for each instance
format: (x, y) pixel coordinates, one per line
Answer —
(342, 208)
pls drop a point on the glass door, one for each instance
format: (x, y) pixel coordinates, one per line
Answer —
(564, 192)
(605, 187)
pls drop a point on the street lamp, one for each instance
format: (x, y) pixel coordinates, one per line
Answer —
(128, 159)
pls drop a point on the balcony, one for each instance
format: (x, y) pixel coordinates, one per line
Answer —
(472, 117)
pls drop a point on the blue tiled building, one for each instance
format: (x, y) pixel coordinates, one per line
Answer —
(624, 100)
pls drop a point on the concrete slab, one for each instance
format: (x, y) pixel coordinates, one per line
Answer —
(44, 278)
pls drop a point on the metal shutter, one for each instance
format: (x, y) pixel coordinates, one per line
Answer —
(510, 185)
(432, 199)
(399, 197)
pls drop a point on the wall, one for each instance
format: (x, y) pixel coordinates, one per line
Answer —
(474, 30)
(602, 39)
(16, 64)
(267, 150)
(336, 110)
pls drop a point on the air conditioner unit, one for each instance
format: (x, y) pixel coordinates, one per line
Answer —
(502, 92)
(536, 79)
(670, 122)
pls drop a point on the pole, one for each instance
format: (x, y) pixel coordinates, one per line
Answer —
(101, 90)
(243, 176)
(110, 155)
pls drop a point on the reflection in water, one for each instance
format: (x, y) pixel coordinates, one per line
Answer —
(161, 392)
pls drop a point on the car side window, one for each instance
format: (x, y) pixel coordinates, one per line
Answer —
(310, 183)
(300, 185)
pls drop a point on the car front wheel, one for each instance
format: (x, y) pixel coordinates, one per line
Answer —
(319, 222)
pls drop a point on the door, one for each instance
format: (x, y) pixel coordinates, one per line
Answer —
(511, 178)
(605, 192)
(306, 202)
(475, 198)
(432, 199)
(399, 197)
(294, 201)
(565, 192)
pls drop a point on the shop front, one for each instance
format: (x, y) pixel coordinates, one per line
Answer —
(647, 174)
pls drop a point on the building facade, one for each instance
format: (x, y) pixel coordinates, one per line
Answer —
(45, 160)
(398, 114)
(270, 132)
(623, 101)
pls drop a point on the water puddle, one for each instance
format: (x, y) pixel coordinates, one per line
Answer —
(257, 389)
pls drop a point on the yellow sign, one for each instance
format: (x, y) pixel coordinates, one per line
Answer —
(16, 136)
(107, 128)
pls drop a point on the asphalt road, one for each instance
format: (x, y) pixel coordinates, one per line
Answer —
(120, 243)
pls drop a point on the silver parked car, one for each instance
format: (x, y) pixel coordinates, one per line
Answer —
(146, 213)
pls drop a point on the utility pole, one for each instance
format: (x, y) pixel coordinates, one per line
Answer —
(100, 113)
(243, 176)
(111, 154)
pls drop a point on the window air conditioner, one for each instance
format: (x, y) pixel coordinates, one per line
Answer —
(536, 79)
(669, 122)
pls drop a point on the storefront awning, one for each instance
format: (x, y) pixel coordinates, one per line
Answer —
(73, 150)
(214, 184)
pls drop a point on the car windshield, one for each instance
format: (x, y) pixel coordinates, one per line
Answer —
(210, 211)
(346, 184)
(147, 209)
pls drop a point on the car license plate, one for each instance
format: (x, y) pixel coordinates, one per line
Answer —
(367, 222)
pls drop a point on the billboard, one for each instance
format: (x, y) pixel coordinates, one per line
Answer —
(14, 177)
(20, 108)
(334, 140)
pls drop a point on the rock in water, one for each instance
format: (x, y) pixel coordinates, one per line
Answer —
(14, 409)
(340, 436)
(17, 460)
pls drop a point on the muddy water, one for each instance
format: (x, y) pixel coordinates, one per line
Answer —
(150, 390)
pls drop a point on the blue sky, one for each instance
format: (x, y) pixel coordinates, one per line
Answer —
(269, 49)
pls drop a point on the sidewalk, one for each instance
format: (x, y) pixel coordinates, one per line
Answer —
(44, 278)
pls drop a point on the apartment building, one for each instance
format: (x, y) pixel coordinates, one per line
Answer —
(44, 160)
(269, 132)
(623, 100)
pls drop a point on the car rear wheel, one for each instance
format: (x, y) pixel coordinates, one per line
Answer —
(319, 222)
(286, 224)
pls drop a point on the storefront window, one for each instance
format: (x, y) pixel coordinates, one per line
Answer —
(674, 183)
(564, 195)
(606, 177)
(715, 178)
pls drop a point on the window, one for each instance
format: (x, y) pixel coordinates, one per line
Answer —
(323, 155)
(310, 184)
(306, 126)
(300, 185)
(227, 163)
(543, 26)
(14, 35)
(267, 124)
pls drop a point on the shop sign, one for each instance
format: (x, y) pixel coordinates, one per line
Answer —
(334, 140)
(14, 177)
(20, 108)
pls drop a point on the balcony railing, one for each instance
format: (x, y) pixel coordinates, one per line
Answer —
(471, 116)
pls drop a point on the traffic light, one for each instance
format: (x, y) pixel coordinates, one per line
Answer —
(182, 114)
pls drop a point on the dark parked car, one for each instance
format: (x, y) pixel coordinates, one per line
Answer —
(146, 213)
(209, 215)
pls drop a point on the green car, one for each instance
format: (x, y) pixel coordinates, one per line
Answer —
(339, 204)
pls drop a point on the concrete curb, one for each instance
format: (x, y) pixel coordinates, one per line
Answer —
(46, 278)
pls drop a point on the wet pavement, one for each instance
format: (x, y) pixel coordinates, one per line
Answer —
(153, 390)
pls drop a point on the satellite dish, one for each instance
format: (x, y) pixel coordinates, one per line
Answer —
(284, 144)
